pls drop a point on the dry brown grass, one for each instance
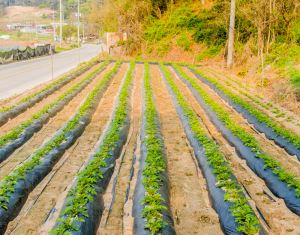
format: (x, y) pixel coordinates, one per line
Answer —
(25, 14)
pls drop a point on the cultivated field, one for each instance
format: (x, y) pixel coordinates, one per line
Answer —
(146, 148)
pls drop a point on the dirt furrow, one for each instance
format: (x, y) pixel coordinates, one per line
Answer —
(287, 161)
(48, 130)
(190, 205)
(44, 203)
(279, 219)
(115, 195)
(38, 106)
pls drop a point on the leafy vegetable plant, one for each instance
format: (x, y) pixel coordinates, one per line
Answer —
(260, 116)
(84, 190)
(18, 130)
(240, 209)
(155, 163)
(7, 185)
(61, 80)
(240, 132)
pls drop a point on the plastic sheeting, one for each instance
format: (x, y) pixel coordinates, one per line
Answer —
(8, 149)
(5, 116)
(36, 174)
(24, 54)
(216, 194)
(139, 221)
(278, 187)
(261, 127)
(95, 207)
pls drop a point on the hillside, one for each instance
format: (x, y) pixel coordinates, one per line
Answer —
(267, 39)
(16, 14)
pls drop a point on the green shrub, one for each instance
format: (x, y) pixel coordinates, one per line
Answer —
(294, 76)
(296, 32)
(184, 42)
(209, 53)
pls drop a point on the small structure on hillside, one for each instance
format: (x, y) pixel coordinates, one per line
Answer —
(114, 41)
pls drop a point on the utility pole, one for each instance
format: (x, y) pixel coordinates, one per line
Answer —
(83, 32)
(54, 28)
(231, 34)
(52, 45)
(60, 22)
(78, 23)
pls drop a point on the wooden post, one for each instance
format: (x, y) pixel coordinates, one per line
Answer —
(231, 35)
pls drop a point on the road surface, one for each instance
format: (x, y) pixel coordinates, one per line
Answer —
(21, 76)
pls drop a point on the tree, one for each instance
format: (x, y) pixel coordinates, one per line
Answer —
(231, 34)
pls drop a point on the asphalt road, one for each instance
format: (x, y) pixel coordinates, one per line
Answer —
(21, 76)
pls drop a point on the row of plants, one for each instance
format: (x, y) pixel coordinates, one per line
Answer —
(155, 165)
(84, 191)
(243, 214)
(240, 88)
(240, 132)
(63, 80)
(18, 130)
(260, 116)
(8, 184)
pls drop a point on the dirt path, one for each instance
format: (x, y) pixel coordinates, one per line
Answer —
(190, 204)
(279, 219)
(48, 130)
(282, 116)
(287, 161)
(38, 106)
(112, 219)
(49, 195)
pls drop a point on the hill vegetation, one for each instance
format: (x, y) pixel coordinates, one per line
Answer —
(267, 35)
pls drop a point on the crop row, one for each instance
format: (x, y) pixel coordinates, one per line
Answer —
(15, 187)
(220, 169)
(13, 139)
(82, 211)
(254, 98)
(262, 118)
(292, 184)
(28, 101)
(151, 196)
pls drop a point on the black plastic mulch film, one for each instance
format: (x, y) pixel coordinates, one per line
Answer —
(24, 54)
(5, 116)
(95, 207)
(261, 127)
(216, 194)
(139, 221)
(279, 188)
(36, 174)
(8, 149)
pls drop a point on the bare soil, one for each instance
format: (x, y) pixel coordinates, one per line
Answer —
(277, 88)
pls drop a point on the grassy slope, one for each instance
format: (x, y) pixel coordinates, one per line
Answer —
(201, 32)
